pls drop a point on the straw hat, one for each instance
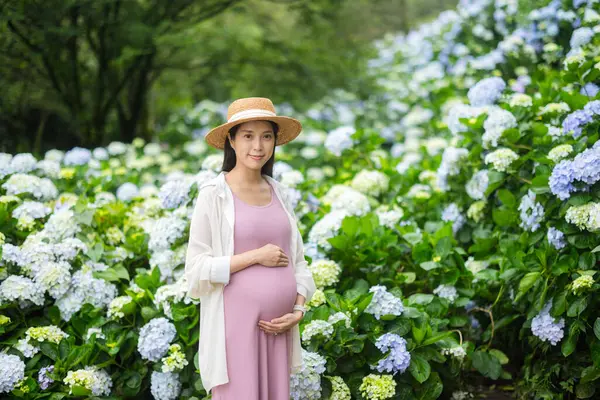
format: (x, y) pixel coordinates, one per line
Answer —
(253, 109)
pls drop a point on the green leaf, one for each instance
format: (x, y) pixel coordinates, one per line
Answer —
(507, 198)
(597, 328)
(419, 368)
(420, 298)
(499, 355)
(432, 389)
(578, 306)
(429, 265)
(443, 247)
(528, 281)
(487, 364)
(585, 390)
(436, 338)
(113, 274)
(590, 374)
(569, 345)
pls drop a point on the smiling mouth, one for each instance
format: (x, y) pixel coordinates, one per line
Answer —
(257, 157)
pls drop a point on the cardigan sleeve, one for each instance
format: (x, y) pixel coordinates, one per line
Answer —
(202, 269)
(304, 280)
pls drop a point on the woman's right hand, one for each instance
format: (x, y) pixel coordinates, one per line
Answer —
(271, 255)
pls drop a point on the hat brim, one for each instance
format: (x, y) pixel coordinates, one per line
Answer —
(289, 129)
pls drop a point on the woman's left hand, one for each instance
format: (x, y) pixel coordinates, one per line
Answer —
(281, 324)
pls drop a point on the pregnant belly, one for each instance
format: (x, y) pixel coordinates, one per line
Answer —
(268, 292)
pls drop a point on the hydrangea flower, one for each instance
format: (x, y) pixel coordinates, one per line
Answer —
(457, 352)
(477, 185)
(305, 384)
(383, 303)
(531, 212)
(501, 159)
(369, 182)
(77, 156)
(582, 283)
(450, 165)
(495, 124)
(174, 194)
(560, 152)
(325, 272)
(452, 214)
(556, 238)
(12, 371)
(584, 170)
(340, 139)
(116, 306)
(91, 378)
(476, 210)
(155, 338)
(447, 292)
(339, 389)
(317, 327)
(175, 361)
(165, 385)
(378, 387)
(398, 358)
(127, 191)
(43, 379)
(325, 228)
(585, 216)
(486, 92)
(546, 328)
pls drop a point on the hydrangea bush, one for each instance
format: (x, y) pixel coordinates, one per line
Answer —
(451, 223)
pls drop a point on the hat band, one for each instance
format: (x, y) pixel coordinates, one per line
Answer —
(251, 113)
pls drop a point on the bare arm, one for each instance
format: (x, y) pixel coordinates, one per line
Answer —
(243, 260)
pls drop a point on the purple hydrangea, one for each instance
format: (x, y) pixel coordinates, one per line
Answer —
(43, 379)
(590, 90)
(398, 359)
(575, 122)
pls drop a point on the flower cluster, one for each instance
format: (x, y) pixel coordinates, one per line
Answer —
(378, 387)
(398, 358)
(546, 328)
(305, 384)
(90, 377)
(155, 338)
(325, 272)
(383, 303)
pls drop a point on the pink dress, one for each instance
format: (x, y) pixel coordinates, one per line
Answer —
(258, 363)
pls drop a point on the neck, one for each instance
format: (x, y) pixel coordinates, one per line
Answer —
(246, 175)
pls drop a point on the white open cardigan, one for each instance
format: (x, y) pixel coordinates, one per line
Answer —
(207, 271)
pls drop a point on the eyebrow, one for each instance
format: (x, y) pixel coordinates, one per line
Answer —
(250, 130)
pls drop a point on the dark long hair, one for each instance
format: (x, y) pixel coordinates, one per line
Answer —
(229, 160)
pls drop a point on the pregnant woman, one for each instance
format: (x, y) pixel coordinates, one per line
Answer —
(245, 261)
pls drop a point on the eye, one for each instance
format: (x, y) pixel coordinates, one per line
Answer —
(247, 135)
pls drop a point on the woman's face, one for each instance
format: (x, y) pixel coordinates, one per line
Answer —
(254, 143)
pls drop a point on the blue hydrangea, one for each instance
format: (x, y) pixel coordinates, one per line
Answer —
(581, 37)
(556, 238)
(43, 379)
(398, 358)
(584, 169)
(546, 328)
(384, 303)
(531, 212)
(155, 338)
(589, 89)
(306, 383)
(575, 122)
(486, 92)
(174, 194)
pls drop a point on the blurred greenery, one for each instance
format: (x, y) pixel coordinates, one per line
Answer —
(76, 72)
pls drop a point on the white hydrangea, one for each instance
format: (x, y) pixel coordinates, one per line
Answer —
(12, 371)
(371, 183)
(340, 139)
(21, 289)
(317, 327)
(389, 216)
(54, 278)
(32, 209)
(116, 306)
(165, 232)
(62, 225)
(291, 178)
(325, 272)
(91, 378)
(501, 159)
(447, 292)
(85, 289)
(165, 385)
(477, 185)
(495, 124)
(560, 152)
(213, 162)
(326, 228)
(23, 163)
(42, 189)
(340, 316)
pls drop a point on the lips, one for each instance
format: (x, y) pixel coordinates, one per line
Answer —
(256, 158)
